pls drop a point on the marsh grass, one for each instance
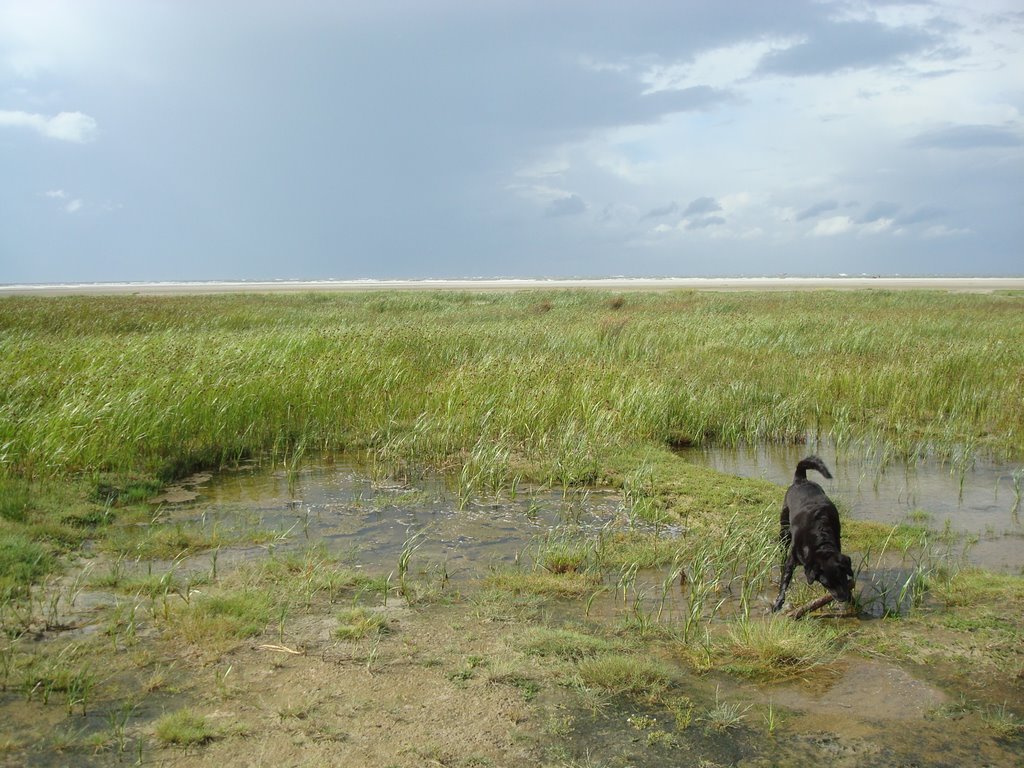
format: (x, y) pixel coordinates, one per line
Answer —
(621, 674)
(23, 562)
(1003, 721)
(520, 581)
(213, 621)
(120, 394)
(778, 647)
(164, 385)
(106, 399)
(184, 728)
(563, 644)
(560, 554)
(358, 623)
(725, 715)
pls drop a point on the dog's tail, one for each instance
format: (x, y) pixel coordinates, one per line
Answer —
(811, 462)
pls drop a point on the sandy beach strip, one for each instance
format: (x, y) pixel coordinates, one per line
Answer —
(955, 284)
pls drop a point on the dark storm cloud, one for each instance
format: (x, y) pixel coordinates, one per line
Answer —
(834, 47)
(702, 205)
(571, 205)
(963, 137)
(817, 209)
(390, 139)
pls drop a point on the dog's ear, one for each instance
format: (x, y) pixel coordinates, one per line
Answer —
(812, 572)
(847, 565)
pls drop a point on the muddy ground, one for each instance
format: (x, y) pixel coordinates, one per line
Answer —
(268, 651)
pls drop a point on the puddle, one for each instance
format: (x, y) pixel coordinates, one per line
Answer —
(184, 490)
(340, 506)
(883, 691)
(981, 503)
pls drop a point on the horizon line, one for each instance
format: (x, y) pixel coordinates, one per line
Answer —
(157, 287)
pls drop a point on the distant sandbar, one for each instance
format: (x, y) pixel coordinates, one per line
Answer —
(958, 284)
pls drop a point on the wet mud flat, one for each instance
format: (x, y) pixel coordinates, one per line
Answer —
(395, 624)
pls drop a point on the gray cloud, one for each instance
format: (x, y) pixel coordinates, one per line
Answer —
(880, 210)
(427, 114)
(921, 214)
(962, 137)
(817, 209)
(665, 210)
(705, 222)
(702, 205)
(834, 47)
(694, 99)
(571, 205)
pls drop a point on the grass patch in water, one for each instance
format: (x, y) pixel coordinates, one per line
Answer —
(561, 555)
(970, 625)
(618, 673)
(636, 548)
(777, 648)
(564, 644)
(541, 582)
(871, 537)
(499, 605)
(973, 586)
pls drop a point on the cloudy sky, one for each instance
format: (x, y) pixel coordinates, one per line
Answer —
(457, 138)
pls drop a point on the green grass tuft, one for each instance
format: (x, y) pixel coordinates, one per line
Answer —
(184, 728)
(621, 674)
(23, 562)
(357, 623)
(779, 647)
(540, 582)
(563, 644)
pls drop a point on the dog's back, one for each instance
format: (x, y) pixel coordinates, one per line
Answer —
(805, 495)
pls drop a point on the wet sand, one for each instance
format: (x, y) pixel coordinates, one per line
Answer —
(955, 284)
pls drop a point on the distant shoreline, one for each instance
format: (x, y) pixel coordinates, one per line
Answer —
(953, 284)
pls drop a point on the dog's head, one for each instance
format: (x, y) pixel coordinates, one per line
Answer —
(835, 573)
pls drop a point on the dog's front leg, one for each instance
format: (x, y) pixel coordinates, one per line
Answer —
(785, 536)
(787, 576)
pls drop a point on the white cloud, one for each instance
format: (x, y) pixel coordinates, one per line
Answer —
(719, 68)
(835, 225)
(538, 193)
(877, 227)
(941, 230)
(551, 167)
(732, 203)
(75, 127)
(67, 203)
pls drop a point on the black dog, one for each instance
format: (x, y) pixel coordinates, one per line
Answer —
(810, 529)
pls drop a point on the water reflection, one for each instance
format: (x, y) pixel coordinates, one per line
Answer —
(982, 501)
